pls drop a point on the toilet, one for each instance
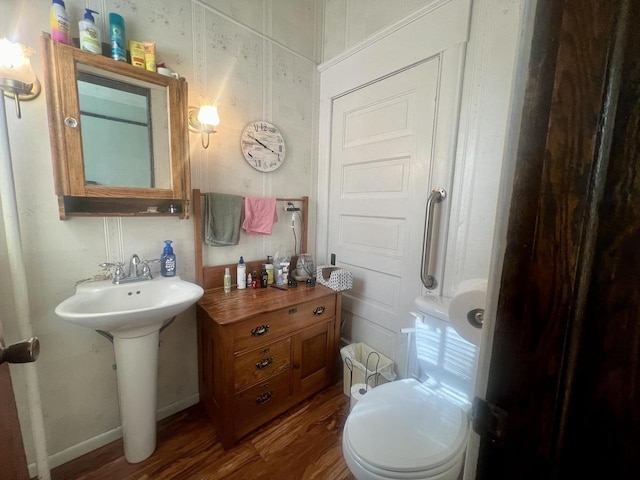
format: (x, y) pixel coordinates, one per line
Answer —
(417, 428)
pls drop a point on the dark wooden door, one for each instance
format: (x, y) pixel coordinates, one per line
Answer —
(13, 462)
(566, 354)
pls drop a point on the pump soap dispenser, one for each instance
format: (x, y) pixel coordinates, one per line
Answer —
(168, 260)
(241, 274)
(90, 38)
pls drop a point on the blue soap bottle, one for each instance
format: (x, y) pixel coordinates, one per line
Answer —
(168, 260)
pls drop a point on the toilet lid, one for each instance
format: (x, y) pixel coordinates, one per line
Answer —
(402, 426)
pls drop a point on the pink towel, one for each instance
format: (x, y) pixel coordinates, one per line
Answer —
(259, 215)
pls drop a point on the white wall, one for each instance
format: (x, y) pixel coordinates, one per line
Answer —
(349, 22)
(257, 60)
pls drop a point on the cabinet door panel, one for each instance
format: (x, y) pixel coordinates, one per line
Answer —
(312, 351)
(314, 354)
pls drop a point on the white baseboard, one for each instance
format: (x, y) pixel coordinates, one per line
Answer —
(178, 406)
(103, 439)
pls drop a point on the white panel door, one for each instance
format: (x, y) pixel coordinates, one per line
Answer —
(385, 159)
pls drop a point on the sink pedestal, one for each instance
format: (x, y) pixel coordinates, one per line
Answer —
(137, 376)
(133, 313)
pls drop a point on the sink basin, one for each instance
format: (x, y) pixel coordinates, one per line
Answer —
(133, 313)
(131, 309)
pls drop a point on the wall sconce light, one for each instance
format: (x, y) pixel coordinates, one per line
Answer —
(203, 120)
(17, 78)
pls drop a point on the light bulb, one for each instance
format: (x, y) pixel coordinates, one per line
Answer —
(14, 62)
(208, 115)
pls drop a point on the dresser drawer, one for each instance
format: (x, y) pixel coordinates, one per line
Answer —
(263, 362)
(263, 397)
(263, 328)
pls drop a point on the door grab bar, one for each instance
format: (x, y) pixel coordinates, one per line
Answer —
(437, 195)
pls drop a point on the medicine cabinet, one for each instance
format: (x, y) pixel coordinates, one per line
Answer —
(119, 138)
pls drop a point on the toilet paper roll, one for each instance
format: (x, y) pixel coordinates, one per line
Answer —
(469, 300)
(357, 392)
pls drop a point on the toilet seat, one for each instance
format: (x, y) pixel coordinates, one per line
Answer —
(403, 429)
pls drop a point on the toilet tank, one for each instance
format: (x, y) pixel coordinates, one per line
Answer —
(442, 359)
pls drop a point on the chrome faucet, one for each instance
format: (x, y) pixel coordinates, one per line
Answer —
(137, 273)
(133, 266)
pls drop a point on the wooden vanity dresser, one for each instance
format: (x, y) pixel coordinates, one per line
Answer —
(261, 351)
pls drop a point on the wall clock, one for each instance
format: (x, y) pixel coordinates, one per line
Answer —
(262, 146)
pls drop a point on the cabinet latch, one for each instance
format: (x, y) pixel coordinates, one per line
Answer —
(488, 420)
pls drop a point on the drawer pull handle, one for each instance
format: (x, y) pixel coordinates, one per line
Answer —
(264, 363)
(265, 397)
(319, 310)
(259, 330)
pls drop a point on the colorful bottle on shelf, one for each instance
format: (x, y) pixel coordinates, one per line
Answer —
(59, 22)
(118, 41)
(90, 38)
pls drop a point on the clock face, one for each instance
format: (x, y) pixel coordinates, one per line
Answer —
(262, 146)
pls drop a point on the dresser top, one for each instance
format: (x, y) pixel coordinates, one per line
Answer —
(237, 305)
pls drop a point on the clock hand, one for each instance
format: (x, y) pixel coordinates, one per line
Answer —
(258, 141)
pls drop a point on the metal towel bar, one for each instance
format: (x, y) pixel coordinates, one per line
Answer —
(437, 195)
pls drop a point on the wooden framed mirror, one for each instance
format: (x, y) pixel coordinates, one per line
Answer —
(119, 136)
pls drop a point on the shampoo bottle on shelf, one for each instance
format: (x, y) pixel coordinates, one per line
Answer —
(242, 274)
(168, 260)
(227, 280)
(59, 22)
(90, 38)
(118, 41)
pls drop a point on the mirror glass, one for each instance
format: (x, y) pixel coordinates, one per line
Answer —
(125, 130)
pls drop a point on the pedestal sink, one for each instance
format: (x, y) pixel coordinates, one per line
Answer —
(133, 313)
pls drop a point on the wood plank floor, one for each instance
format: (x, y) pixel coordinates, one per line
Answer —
(303, 443)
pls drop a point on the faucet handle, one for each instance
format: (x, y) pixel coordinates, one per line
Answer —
(146, 271)
(106, 265)
(146, 266)
(119, 272)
